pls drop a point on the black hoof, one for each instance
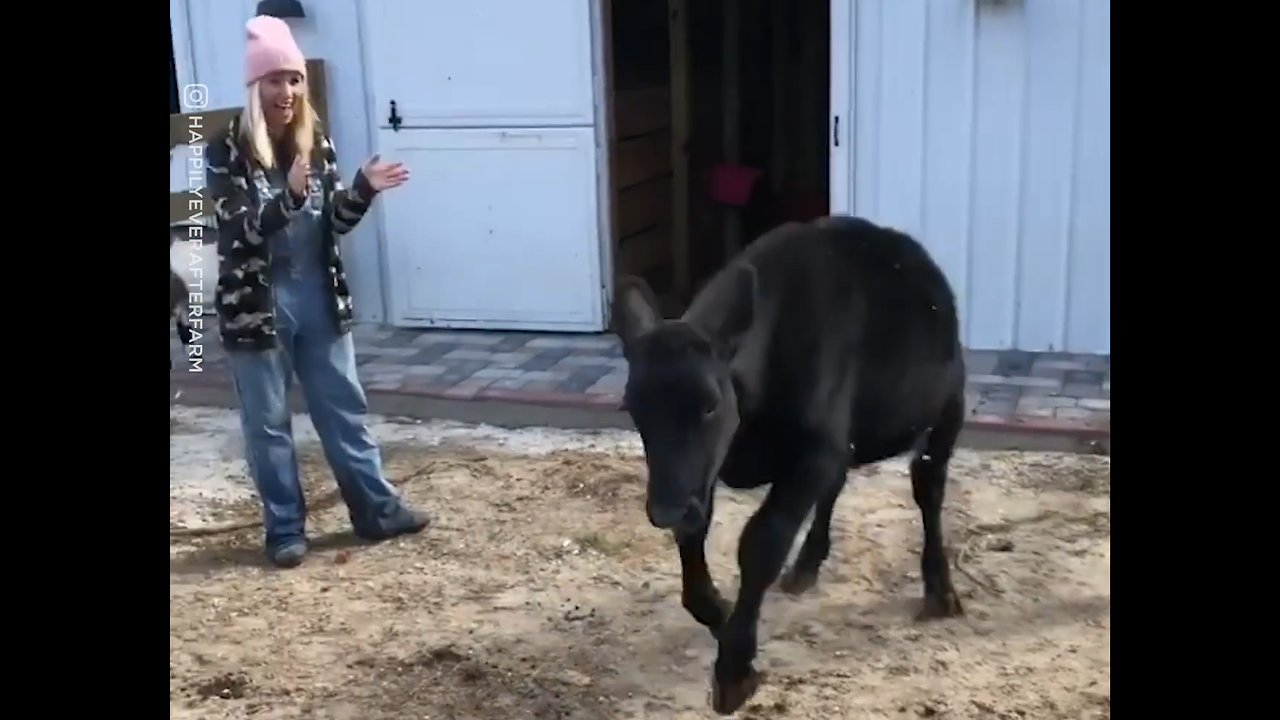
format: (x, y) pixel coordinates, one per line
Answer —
(940, 605)
(726, 699)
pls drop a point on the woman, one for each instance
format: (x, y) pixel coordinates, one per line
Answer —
(282, 296)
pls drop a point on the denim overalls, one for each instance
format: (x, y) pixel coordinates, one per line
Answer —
(325, 363)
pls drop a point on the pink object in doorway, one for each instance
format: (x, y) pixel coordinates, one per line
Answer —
(732, 184)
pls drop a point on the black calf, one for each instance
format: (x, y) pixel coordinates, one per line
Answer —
(824, 346)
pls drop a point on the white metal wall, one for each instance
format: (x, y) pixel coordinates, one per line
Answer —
(984, 127)
(209, 49)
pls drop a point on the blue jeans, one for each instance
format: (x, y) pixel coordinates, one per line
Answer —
(325, 363)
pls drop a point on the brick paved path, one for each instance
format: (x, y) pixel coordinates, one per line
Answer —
(1033, 391)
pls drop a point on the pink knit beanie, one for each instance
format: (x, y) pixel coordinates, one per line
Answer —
(270, 48)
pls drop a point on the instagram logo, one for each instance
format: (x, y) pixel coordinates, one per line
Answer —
(195, 96)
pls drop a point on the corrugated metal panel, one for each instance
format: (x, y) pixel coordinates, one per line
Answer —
(984, 127)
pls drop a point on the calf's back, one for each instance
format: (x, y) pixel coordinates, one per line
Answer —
(853, 318)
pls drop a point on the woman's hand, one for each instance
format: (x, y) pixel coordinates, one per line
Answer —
(384, 176)
(298, 176)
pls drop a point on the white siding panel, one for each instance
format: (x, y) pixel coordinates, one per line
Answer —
(901, 173)
(948, 147)
(868, 108)
(1088, 308)
(984, 128)
(1048, 160)
(996, 185)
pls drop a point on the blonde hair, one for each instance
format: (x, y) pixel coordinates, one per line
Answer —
(301, 133)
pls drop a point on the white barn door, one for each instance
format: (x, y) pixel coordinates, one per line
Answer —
(492, 105)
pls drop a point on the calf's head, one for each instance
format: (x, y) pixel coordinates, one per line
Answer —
(680, 389)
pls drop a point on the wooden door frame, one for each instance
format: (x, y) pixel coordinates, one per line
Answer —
(680, 104)
(605, 127)
(841, 127)
(841, 135)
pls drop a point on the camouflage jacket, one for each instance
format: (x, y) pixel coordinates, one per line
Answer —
(247, 214)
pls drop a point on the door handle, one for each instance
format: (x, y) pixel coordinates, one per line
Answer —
(394, 118)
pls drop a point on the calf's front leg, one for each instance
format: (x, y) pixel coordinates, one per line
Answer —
(763, 548)
(698, 593)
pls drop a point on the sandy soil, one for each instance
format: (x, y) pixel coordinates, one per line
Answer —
(542, 593)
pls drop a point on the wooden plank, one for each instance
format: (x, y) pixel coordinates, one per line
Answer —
(641, 158)
(782, 109)
(319, 88)
(810, 161)
(643, 252)
(641, 111)
(681, 103)
(644, 205)
(611, 134)
(731, 58)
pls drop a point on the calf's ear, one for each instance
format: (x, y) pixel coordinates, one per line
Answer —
(726, 307)
(635, 311)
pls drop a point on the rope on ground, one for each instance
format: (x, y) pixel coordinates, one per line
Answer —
(324, 503)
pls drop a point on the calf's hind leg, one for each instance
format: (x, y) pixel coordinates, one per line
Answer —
(817, 544)
(928, 485)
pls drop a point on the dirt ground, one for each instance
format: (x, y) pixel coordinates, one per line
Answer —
(541, 592)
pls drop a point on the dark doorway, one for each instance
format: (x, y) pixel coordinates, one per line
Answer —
(720, 131)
